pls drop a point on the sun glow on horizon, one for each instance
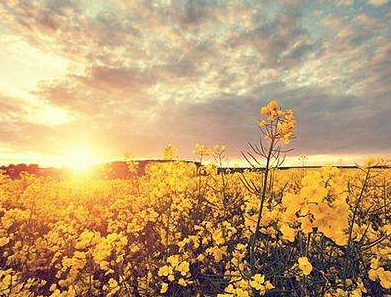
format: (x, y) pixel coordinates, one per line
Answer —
(81, 159)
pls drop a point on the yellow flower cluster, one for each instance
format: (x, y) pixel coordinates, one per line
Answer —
(281, 122)
(174, 265)
(305, 265)
(378, 273)
(316, 205)
(247, 287)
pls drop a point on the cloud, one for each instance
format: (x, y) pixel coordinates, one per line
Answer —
(10, 109)
(229, 119)
(378, 2)
(16, 128)
(123, 79)
(189, 71)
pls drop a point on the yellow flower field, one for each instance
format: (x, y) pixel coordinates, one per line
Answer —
(184, 230)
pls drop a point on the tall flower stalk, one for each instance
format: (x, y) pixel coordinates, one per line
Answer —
(277, 131)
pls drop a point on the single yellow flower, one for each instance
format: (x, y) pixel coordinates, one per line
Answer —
(304, 265)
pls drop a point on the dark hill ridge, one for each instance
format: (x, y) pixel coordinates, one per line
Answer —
(15, 171)
(242, 169)
(111, 170)
(120, 169)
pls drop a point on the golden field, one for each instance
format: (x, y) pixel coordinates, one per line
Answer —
(184, 230)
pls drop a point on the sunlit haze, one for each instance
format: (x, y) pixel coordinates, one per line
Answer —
(81, 159)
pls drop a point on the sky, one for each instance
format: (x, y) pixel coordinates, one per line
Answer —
(98, 78)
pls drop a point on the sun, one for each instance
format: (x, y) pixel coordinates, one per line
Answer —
(81, 159)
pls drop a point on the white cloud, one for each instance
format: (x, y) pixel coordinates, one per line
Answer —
(378, 2)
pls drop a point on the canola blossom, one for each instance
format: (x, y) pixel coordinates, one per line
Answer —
(186, 230)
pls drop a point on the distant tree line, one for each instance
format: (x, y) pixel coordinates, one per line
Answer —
(121, 169)
(112, 170)
(14, 171)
